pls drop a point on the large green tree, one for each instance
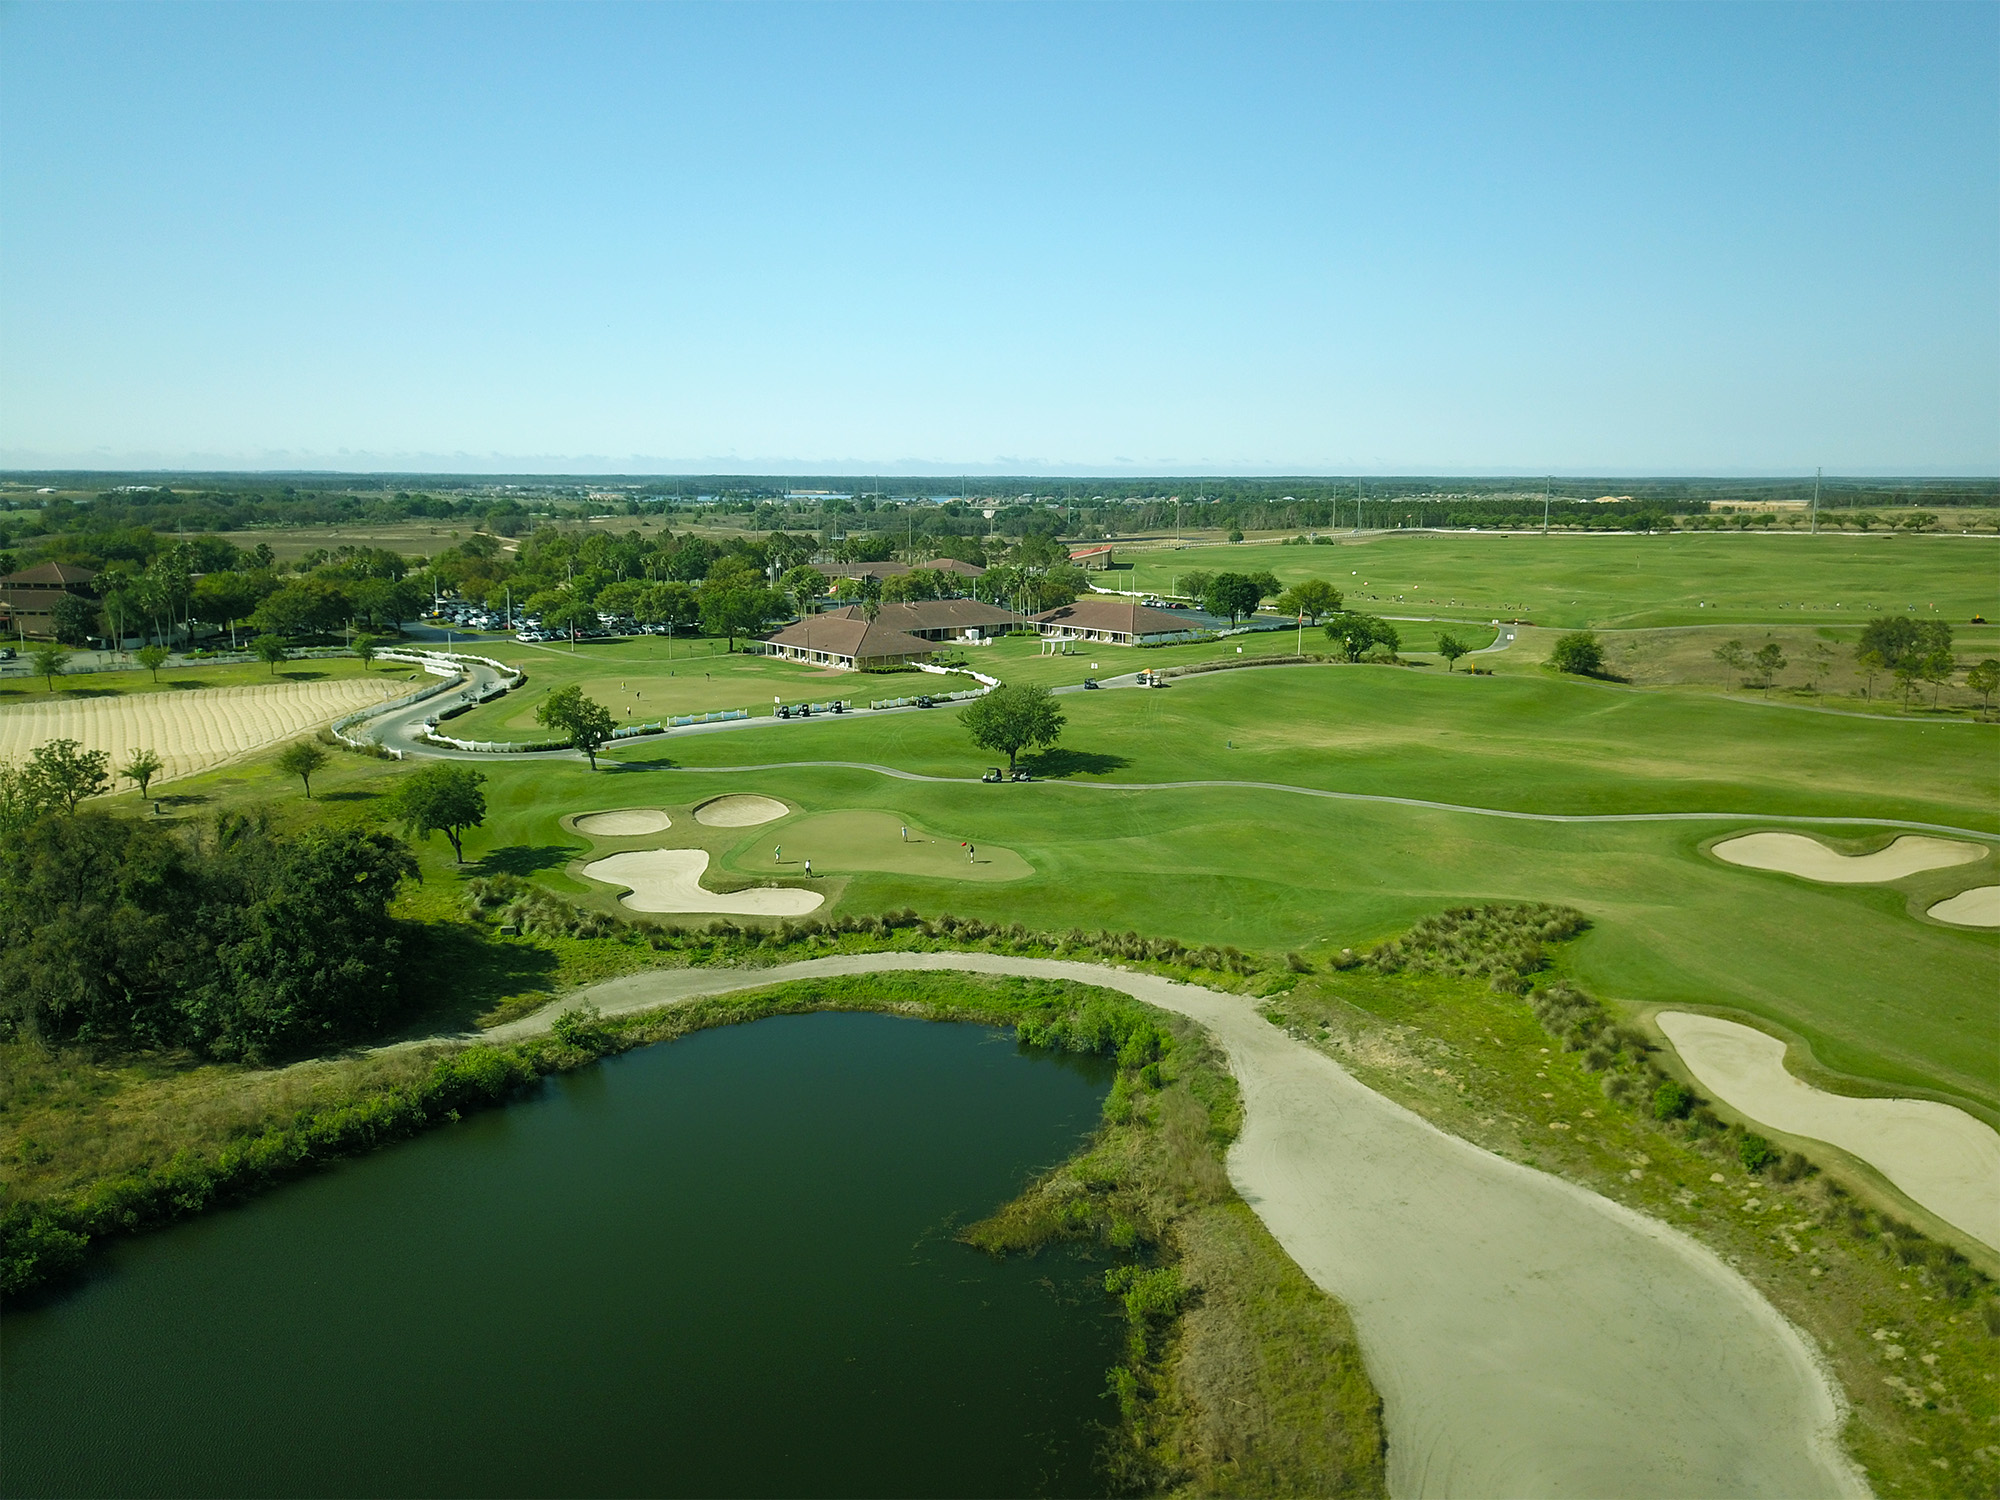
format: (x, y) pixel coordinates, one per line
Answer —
(1011, 718)
(1310, 598)
(1358, 634)
(67, 773)
(442, 797)
(1579, 652)
(587, 722)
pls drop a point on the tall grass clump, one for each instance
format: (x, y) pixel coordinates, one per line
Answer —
(1502, 943)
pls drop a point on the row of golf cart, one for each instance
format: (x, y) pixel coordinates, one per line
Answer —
(994, 773)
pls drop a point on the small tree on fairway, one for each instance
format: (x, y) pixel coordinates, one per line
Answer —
(1819, 661)
(1358, 634)
(365, 647)
(270, 649)
(50, 662)
(587, 722)
(63, 771)
(1011, 718)
(301, 759)
(1770, 661)
(1984, 680)
(1578, 652)
(152, 658)
(1451, 648)
(441, 798)
(1313, 598)
(143, 766)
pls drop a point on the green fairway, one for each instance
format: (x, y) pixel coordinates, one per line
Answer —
(844, 843)
(1571, 581)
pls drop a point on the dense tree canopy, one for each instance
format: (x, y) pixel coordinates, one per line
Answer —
(1011, 718)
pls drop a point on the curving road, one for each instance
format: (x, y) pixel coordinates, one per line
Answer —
(1528, 1337)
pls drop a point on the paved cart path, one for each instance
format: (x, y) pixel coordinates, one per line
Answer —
(1529, 1338)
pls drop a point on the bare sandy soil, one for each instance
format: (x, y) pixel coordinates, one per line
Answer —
(1942, 1157)
(1978, 907)
(1528, 1337)
(670, 880)
(1795, 854)
(193, 730)
(740, 811)
(625, 822)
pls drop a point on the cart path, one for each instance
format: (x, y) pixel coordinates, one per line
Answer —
(1527, 1336)
(1379, 797)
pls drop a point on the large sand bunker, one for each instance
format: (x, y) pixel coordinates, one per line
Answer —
(1795, 854)
(191, 729)
(670, 880)
(1978, 907)
(624, 823)
(1942, 1157)
(740, 810)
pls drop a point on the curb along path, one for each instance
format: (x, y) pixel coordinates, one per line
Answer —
(1527, 1336)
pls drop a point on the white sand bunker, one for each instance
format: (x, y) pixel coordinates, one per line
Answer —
(670, 880)
(740, 811)
(1942, 1157)
(1795, 854)
(625, 822)
(1978, 907)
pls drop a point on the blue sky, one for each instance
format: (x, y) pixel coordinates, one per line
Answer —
(1186, 239)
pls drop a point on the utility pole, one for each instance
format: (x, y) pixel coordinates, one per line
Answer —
(1548, 485)
(1815, 514)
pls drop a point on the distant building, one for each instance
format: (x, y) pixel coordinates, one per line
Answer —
(1117, 622)
(945, 619)
(28, 598)
(1095, 559)
(846, 640)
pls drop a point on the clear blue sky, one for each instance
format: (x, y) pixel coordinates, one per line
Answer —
(1327, 239)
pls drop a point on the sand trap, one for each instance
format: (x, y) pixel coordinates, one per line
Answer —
(1795, 854)
(1528, 1337)
(1942, 1157)
(625, 822)
(193, 728)
(670, 880)
(1978, 907)
(740, 811)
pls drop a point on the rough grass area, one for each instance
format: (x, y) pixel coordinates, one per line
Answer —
(1555, 1081)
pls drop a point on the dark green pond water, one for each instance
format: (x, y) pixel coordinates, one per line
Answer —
(719, 1267)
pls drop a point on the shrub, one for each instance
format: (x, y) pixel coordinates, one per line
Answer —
(1755, 1152)
(1579, 652)
(1672, 1101)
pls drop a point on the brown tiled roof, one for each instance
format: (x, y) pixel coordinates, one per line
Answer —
(893, 569)
(1100, 613)
(845, 634)
(51, 575)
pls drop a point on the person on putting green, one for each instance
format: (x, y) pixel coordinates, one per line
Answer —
(809, 869)
(906, 835)
(971, 854)
(777, 854)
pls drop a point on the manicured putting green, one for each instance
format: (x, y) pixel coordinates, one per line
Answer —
(858, 841)
(625, 822)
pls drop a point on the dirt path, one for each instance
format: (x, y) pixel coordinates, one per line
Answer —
(1529, 1338)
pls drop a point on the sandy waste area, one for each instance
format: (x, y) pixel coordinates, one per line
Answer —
(670, 880)
(624, 822)
(1978, 907)
(1942, 1157)
(1795, 854)
(1528, 1337)
(190, 730)
(740, 810)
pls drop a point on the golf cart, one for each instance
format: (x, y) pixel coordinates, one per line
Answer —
(1091, 684)
(923, 701)
(994, 773)
(1020, 775)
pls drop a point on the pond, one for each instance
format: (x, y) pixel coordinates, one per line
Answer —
(717, 1267)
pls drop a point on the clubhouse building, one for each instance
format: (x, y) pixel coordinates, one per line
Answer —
(898, 634)
(1117, 622)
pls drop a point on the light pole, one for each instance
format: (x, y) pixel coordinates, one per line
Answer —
(1815, 514)
(1547, 485)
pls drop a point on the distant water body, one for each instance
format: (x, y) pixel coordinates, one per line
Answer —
(717, 1267)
